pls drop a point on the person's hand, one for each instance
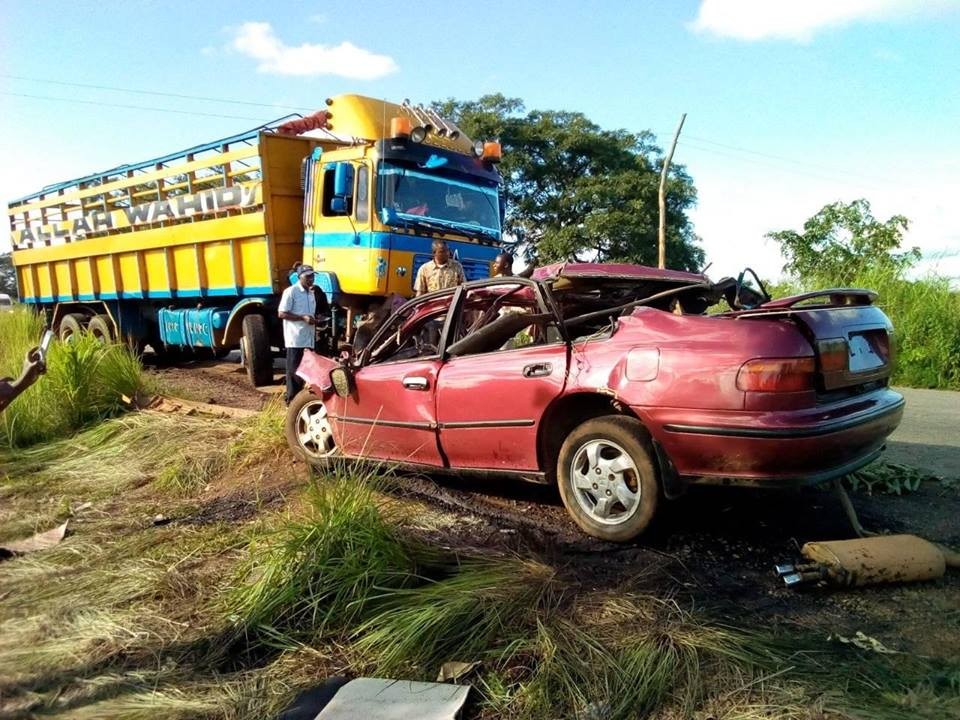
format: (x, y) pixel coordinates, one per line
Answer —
(33, 364)
(32, 367)
(309, 319)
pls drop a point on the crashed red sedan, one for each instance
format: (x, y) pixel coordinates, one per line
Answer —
(614, 383)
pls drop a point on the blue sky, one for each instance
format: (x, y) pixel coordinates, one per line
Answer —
(789, 105)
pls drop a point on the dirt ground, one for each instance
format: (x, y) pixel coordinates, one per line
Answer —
(221, 382)
(713, 549)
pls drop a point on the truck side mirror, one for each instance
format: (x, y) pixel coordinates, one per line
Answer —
(343, 181)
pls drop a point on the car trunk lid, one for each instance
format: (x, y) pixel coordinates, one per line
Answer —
(851, 337)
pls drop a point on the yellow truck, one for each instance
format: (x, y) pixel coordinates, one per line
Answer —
(192, 249)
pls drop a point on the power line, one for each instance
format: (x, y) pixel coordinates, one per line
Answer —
(795, 171)
(134, 107)
(786, 159)
(157, 93)
(249, 103)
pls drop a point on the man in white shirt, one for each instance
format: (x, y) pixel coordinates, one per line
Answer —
(298, 310)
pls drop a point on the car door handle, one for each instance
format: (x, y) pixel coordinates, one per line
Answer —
(415, 382)
(538, 370)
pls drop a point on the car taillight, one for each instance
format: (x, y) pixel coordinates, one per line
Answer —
(833, 355)
(777, 375)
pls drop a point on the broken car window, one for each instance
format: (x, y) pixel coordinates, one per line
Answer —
(412, 333)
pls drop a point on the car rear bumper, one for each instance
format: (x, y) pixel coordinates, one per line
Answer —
(774, 448)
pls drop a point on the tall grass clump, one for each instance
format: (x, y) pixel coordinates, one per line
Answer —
(926, 320)
(85, 381)
(320, 573)
(484, 609)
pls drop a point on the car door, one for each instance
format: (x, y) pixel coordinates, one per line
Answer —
(392, 413)
(496, 384)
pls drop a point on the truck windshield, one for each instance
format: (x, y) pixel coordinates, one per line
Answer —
(419, 196)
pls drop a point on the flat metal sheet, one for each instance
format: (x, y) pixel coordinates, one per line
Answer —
(380, 699)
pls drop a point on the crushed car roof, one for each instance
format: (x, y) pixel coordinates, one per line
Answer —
(612, 271)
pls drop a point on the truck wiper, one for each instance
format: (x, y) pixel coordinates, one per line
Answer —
(454, 227)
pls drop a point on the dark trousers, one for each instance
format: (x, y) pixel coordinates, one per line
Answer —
(294, 383)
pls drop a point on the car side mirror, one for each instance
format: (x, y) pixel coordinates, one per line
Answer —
(342, 380)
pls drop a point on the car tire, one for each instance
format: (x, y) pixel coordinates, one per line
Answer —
(256, 350)
(101, 328)
(608, 478)
(71, 325)
(308, 430)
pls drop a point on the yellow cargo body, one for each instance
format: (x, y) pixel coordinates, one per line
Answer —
(220, 220)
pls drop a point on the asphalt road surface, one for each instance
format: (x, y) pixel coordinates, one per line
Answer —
(929, 436)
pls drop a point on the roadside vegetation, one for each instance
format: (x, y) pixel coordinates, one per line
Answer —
(194, 583)
(843, 245)
(85, 382)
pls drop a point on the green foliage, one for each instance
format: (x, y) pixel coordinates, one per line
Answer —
(887, 479)
(85, 381)
(320, 573)
(844, 240)
(478, 611)
(926, 321)
(576, 191)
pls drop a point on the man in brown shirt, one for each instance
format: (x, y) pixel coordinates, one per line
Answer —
(439, 273)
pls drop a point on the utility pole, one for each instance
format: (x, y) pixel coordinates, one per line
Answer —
(662, 255)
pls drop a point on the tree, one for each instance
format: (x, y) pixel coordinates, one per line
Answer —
(8, 275)
(843, 240)
(575, 191)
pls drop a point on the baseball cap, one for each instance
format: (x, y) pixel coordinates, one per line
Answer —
(304, 270)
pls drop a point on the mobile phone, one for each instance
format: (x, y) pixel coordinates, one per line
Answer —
(45, 341)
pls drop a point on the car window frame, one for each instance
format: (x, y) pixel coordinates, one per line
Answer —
(544, 301)
(365, 359)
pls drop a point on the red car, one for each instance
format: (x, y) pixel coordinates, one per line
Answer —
(614, 383)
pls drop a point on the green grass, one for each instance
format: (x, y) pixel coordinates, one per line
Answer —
(85, 382)
(319, 573)
(229, 620)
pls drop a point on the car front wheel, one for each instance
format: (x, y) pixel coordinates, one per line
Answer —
(607, 477)
(308, 429)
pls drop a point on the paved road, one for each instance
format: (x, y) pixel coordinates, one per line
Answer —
(929, 436)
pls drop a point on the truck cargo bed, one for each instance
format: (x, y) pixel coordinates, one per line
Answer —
(218, 220)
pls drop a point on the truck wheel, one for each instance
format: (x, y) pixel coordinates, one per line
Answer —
(607, 478)
(71, 325)
(308, 430)
(101, 328)
(256, 350)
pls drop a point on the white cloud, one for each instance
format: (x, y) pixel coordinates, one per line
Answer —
(257, 40)
(797, 19)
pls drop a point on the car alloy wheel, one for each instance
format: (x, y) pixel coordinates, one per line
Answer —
(308, 429)
(607, 477)
(606, 482)
(313, 430)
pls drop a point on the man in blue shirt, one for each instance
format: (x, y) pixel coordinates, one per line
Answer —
(298, 310)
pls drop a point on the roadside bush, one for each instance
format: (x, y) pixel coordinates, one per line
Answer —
(85, 381)
(926, 320)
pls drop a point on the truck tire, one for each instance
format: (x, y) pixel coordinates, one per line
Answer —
(608, 478)
(71, 325)
(101, 328)
(256, 350)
